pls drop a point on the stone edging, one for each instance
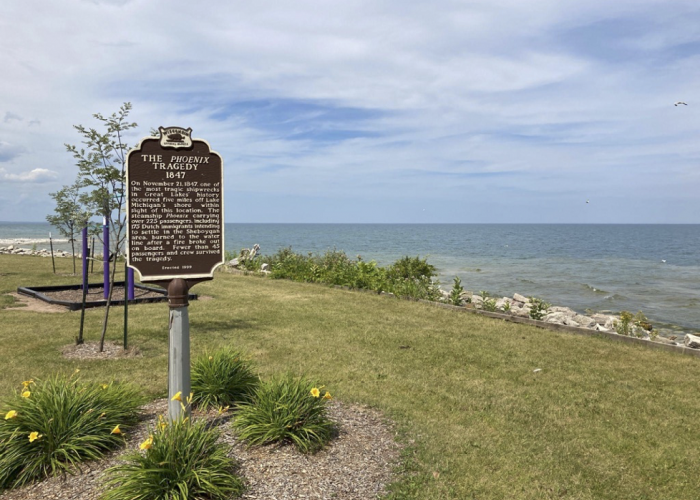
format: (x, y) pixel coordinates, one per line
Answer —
(678, 349)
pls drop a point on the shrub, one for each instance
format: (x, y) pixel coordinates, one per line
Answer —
(623, 327)
(455, 297)
(222, 378)
(643, 324)
(411, 268)
(286, 409)
(538, 308)
(178, 461)
(52, 425)
(489, 305)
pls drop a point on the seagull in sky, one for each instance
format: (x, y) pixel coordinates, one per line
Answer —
(680, 102)
(587, 201)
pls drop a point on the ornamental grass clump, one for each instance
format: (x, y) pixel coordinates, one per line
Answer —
(177, 461)
(222, 378)
(289, 409)
(50, 426)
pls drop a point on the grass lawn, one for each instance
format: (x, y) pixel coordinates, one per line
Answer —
(602, 420)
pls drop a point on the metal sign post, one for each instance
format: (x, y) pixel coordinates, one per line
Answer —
(175, 233)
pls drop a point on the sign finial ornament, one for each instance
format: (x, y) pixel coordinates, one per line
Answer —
(175, 137)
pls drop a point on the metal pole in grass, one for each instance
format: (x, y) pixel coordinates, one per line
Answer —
(85, 260)
(126, 301)
(179, 384)
(105, 256)
(79, 340)
(53, 262)
(92, 255)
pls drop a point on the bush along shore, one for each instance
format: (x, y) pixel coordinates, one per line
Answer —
(415, 278)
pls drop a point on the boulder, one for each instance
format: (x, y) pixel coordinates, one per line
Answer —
(523, 311)
(520, 298)
(265, 267)
(566, 310)
(601, 328)
(555, 317)
(501, 303)
(601, 319)
(232, 263)
(692, 341)
(584, 321)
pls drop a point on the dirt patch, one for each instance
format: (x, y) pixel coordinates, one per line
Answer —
(34, 305)
(91, 350)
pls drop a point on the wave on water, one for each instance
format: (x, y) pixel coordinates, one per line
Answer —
(525, 280)
(594, 289)
(615, 296)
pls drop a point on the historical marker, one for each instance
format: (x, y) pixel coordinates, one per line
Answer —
(175, 232)
(175, 207)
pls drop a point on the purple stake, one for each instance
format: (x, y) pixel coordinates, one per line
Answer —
(130, 281)
(105, 255)
(85, 259)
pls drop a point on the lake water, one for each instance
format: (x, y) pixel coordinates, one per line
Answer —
(594, 267)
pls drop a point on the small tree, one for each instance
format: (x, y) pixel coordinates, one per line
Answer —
(71, 215)
(102, 165)
(455, 297)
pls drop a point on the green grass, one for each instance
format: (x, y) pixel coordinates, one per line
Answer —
(602, 420)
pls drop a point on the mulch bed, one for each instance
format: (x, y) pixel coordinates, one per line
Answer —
(356, 465)
(96, 294)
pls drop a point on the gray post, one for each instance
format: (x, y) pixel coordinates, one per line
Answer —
(179, 349)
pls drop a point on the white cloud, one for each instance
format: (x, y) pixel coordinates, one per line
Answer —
(561, 92)
(35, 175)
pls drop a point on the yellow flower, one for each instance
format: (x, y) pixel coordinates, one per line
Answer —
(146, 445)
(162, 424)
(116, 430)
(211, 357)
(177, 397)
(223, 409)
(10, 414)
(102, 415)
(33, 436)
(104, 386)
(315, 392)
(26, 383)
(327, 395)
(26, 394)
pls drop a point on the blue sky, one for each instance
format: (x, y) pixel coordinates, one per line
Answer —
(373, 111)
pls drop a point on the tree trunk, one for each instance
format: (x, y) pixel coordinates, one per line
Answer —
(109, 300)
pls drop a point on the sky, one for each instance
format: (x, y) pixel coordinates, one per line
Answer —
(382, 111)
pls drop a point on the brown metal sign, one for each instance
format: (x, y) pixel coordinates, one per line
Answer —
(175, 210)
